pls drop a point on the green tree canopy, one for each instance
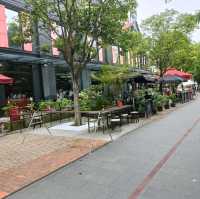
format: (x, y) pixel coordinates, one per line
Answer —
(81, 28)
(169, 35)
(170, 49)
(169, 20)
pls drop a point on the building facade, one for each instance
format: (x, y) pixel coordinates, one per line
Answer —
(35, 65)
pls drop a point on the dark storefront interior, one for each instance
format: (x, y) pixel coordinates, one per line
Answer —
(63, 81)
(22, 75)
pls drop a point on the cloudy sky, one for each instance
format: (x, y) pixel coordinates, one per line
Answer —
(147, 8)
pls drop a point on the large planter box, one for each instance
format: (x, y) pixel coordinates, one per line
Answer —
(166, 106)
(173, 105)
(160, 108)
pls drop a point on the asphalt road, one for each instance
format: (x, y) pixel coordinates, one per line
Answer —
(158, 161)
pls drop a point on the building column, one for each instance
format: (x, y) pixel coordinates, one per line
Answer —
(85, 78)
(108, 55)
(2, 95)
(49, 81)
(37, 83)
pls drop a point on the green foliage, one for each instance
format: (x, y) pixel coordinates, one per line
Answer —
(7, 108)
(196, 73)
(113, 78)
(58, 104)
(140, 100)
(62, 103)
(93, 99)
(193, 64)
(186, 23)
(197, 17)
(157, 24)
(46, 105)
(173, 98)
(79, 26)
(169, 20)
(110, 75)
(169, 34)
(159, 100)
(166, 99)
(81, 23)
(45, 48)
(15, 34)
(20, 30)
(168, 49)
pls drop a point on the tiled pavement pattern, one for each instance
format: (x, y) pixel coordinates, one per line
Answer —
(24, 162)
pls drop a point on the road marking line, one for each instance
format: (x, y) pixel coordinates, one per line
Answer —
(140, 188)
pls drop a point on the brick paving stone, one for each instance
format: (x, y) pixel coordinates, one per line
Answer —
(21, 163)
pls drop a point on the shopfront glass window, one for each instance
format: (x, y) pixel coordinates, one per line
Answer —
(19, 30)
(27, 30)
(13, 29)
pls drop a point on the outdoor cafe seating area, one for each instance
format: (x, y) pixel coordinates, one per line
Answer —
(101, 113)
(110, 118)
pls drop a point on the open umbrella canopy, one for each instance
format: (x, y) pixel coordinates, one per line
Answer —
(187, 75)
(175, 72)
(5, 80)
(170, 79)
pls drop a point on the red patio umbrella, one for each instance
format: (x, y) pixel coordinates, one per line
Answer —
(175, 72)
(187, 75)
(5, 80)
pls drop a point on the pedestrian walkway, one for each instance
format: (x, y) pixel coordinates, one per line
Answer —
(158, 161)
(25, 158)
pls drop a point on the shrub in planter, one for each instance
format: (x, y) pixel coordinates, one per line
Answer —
(99, 102)
(159, 102)
(62, 103)
(46, 105)
(166, 101)
(140, 100)
(93, 99)
(141, 107)
(160, 108)
(141, 110)
(154, 103)
(173, 104)
(173, 99)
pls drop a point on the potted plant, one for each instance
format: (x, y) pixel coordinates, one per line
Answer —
(141, 110)
(158, 101)
(140, 102)
(154, 102)
(173, 99)
(166, 101)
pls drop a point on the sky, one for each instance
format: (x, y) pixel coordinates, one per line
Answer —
(147, 8)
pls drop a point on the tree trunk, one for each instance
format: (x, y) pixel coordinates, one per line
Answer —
(161, 83)
(77, 114)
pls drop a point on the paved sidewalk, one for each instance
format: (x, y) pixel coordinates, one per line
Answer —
(25, 158)
(158, 161)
